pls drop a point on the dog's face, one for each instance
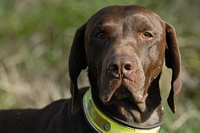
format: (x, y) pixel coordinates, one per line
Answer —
(124, 48)
(125, 52)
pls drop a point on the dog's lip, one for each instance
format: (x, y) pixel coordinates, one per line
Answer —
(119, 94)
(138, 101)
(122, 93)
(119, 89)
(114, 99)
(130, 97)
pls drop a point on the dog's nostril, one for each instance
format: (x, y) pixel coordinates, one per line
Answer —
(113, 67)
(127, 67)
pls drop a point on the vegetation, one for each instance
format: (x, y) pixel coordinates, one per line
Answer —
(35, 40)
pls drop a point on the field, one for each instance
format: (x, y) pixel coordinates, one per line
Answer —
(36, 37)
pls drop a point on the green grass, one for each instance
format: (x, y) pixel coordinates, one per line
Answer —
(35, 40)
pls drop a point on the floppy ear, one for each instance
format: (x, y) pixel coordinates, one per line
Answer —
(173, 61)
(77, 62)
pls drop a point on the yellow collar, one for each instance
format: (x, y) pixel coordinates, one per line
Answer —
(103, 124)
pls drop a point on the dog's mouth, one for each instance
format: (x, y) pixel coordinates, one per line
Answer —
(121, 93)
(122, 89)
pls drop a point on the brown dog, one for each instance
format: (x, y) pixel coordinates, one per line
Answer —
(124, 48)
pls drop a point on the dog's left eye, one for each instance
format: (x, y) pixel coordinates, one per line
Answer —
(100, 35)
(147, 35)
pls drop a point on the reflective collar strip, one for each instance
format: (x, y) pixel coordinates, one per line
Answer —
(103, 124)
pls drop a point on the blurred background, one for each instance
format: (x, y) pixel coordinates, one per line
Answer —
(35, 40)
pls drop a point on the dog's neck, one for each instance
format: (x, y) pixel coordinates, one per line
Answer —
(101, 122)
(129, 114)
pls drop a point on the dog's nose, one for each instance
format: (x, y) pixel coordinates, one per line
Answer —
(120, 67)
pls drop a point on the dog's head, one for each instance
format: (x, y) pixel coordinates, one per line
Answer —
(124, 48)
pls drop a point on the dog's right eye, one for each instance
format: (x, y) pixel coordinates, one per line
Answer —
(100, 35)
(147, 35)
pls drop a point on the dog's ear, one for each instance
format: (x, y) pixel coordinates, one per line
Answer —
(173, 61)
(77, 62)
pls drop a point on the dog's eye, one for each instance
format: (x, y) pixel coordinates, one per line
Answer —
(147, 35)
(100, 35)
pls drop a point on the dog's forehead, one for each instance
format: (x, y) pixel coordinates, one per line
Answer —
(115, 12)
(123, 14)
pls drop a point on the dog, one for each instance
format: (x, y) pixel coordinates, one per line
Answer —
(124, 49)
